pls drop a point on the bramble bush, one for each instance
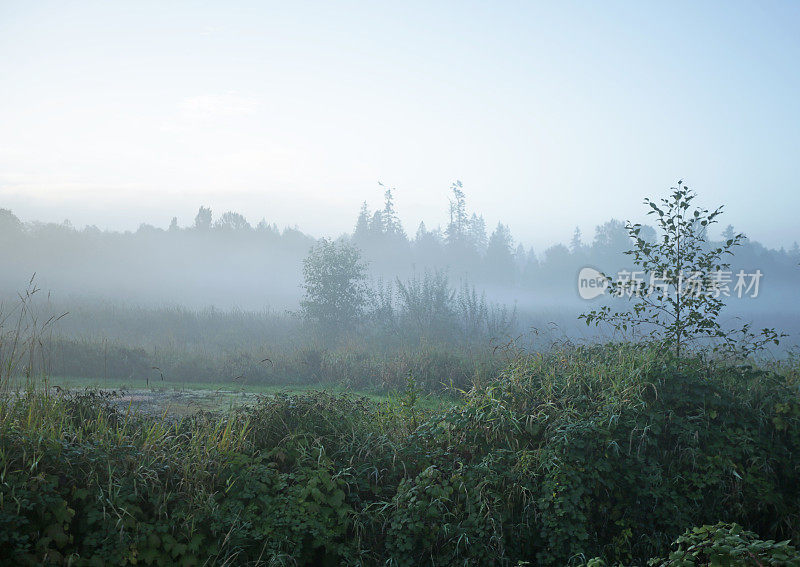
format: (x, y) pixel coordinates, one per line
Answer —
(599, 455)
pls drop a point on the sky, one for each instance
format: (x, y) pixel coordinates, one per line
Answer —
(552, 115)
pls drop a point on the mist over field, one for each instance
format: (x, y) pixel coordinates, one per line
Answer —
(226, 263)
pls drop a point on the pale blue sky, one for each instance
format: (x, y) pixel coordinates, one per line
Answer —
(552, 115)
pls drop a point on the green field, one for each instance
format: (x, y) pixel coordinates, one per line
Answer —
(182, 398)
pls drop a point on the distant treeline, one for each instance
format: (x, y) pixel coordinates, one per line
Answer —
(139, 302)
(228, 262)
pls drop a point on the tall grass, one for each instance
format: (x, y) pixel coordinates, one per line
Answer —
(137, 346)
(25, 330)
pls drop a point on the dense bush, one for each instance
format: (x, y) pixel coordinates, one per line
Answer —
(607, 452)
(727, 544)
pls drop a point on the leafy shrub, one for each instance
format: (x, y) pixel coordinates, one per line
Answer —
(606, 452)
(727, 544)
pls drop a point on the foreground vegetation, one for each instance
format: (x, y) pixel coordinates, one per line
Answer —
(601, 455)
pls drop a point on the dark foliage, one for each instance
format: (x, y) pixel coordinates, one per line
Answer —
(603, 452)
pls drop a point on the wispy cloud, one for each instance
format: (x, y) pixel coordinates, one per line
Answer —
(224, 105)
